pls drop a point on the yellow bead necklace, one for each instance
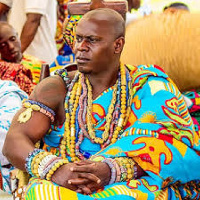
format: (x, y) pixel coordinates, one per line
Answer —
(69, 139)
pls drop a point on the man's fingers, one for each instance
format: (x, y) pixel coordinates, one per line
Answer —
(78, 181)
(83, 168)
(83, 162)
(90, 176)
(79, 190)
(85, 190)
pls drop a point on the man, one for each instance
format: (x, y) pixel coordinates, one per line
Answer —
(133, 119)
(35, 23)
(21, 68)
(177, 6)
(137, 9)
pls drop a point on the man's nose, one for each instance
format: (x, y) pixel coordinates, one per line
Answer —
(83, 45)
(11, 45)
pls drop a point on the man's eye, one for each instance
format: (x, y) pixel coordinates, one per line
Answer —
(78, 39)
(2, 45)
(93, 39)
(13, 38)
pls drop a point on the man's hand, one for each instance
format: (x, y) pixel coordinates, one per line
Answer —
(65, 173)
(89, 170)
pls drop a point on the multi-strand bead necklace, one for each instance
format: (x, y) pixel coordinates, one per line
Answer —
(78, 108)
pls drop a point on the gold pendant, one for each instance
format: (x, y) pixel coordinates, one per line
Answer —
(25, 116)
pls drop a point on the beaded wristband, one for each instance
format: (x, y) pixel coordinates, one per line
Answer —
(49, 166)
(29, 159)
(35, 106)
(57, 165)
(118, 171)
(36, 162)
(43, 166)
(127, 167)
(64, 75)
(109, 162)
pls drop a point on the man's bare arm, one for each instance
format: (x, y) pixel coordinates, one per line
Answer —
(21, 137)
(30, 29)
(3, 9)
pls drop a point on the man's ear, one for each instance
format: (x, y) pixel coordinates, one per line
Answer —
(119, 44)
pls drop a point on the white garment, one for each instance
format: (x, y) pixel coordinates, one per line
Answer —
(43, 45)
(7, 2)
(11, 97)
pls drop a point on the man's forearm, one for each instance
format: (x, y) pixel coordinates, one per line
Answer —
(3, 9)
(29, 30)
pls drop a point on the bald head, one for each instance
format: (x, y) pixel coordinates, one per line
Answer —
(5, 26)
(110, 17)
(99, 42)
(10, 45)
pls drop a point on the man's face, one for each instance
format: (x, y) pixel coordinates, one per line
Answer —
(10, 46)
(94, 46)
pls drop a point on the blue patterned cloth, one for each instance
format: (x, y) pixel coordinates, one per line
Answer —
(11, 97)
(159, 136)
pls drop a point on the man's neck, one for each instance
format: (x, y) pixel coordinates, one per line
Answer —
(16, 61)
(102, 83)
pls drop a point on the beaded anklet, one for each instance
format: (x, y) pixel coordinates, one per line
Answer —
(30, 106)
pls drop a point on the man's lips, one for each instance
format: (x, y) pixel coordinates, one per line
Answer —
(13, 54)
(82, 60)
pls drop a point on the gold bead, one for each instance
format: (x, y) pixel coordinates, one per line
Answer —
(123, 111)
(72, 154)
(122, 116)
(113, 140)
(129, 176)
(73, 159)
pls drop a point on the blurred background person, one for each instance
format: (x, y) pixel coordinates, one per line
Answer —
(35, 21)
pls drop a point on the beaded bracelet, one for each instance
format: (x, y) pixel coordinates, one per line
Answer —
(29, 159)
(64, 75)
(49, 166)
(57, 165)
(118, 171)
(128, 168)
(115, 170)
(44, 165)
(36, 162)
(35, 106)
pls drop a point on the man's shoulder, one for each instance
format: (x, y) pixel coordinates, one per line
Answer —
(51, 91)
(146, 70)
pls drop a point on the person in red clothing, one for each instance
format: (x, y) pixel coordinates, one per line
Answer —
(23, 69)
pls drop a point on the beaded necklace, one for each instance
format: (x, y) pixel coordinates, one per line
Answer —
(78, 107)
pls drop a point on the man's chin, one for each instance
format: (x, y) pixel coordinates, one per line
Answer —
(84, 70)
